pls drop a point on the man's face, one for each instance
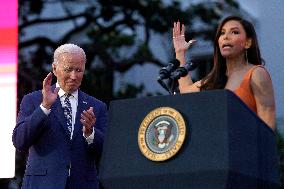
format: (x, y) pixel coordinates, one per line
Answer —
(69, 71)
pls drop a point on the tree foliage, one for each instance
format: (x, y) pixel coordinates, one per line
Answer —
(116, 35)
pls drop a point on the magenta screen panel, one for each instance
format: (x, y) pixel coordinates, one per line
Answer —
(8, 84)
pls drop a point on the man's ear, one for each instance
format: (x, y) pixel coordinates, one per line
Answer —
(248, 43)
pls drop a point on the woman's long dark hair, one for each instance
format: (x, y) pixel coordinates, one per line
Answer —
(217, 78)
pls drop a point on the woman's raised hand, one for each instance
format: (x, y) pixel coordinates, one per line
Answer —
(180, 44)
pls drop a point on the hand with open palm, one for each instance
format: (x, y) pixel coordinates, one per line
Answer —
(48, 96)
(179, 42)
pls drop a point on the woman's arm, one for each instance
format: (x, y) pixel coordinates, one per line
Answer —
(181, 46)
(264, 96)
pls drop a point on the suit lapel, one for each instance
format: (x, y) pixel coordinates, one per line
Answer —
(82, 105)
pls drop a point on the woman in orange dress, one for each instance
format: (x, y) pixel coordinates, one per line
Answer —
(237, 66)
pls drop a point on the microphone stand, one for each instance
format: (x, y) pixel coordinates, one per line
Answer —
(164, 85)
(171, 85)
(173, 89)
(173, 76)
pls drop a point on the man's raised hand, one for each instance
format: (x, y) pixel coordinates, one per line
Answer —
(48, 96)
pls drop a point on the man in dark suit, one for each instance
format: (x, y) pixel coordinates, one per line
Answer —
(62, 127)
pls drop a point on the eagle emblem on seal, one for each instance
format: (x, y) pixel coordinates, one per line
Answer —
(163, 134)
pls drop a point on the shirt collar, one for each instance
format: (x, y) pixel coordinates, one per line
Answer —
(61, 92)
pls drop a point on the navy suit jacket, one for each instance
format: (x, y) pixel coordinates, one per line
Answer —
(51, 152)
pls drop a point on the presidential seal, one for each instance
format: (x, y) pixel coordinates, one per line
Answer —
(161, 134)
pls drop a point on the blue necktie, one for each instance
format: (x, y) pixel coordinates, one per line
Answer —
(68, 113)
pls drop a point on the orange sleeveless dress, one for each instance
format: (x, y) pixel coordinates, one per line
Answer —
(244, 91)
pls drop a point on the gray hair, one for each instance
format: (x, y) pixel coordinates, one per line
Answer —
(67, 48)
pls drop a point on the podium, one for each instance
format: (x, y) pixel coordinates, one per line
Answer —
(226, 146)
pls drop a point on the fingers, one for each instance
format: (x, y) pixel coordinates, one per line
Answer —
(174, 30)
(91, 111)
(46, 84)
(189, 44)
(48, 97)
(47, 80)
(182, 29)
(88, 118)
(179, 33)
(56, 90)
(192, 41)
(178, 29)
(89, 114)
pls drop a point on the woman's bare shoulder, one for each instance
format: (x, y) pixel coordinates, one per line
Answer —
(260, 76)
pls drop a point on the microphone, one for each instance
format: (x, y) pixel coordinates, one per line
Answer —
(165, 72)
(183, 70)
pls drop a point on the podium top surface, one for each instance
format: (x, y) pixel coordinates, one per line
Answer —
(213, 99)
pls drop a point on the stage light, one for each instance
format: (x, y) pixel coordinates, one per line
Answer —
(8, 84)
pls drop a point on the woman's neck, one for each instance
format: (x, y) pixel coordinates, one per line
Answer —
(235, 64)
